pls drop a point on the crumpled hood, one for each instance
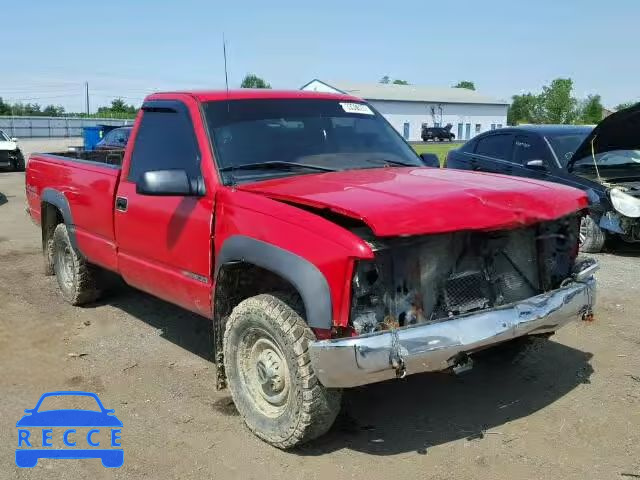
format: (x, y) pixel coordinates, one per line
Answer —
(414, 201)
(10, 146)
(619, 131)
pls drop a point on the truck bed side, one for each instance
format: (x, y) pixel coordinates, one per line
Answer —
(81, 192)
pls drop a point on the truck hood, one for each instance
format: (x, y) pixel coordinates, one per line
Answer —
(619, 131)
(415, 201)
(10, 146)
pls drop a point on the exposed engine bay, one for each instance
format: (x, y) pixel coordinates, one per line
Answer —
(432, 278)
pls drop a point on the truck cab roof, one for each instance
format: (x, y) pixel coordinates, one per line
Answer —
(251, 93)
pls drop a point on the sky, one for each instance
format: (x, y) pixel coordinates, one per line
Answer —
(129, 48)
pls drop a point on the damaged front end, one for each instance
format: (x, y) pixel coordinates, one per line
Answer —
(423, 303)
(432, 278)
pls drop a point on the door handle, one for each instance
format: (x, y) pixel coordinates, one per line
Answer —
(121, 204)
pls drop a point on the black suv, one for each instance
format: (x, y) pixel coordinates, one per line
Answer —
(436, 133)
(603, 161)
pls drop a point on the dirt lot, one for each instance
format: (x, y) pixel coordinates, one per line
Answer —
(32, 145)
(571, 410)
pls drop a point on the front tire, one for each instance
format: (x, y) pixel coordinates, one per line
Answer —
(269, 372)
(77, 279)
(592, 237)
(18, 163)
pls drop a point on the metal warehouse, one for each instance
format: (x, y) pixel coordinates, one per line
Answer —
(409, 107)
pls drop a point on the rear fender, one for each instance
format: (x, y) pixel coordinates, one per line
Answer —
(58, 200)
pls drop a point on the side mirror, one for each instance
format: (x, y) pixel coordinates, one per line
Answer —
(14, 139)
(430, 160)
(535, 165)
(169, 183)
(28, 410)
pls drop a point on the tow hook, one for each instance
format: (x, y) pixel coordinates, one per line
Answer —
(587, 315)
(395, 356)
(462, 363)
(399, 366)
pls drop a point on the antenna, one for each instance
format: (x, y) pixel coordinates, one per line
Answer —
(226, 77)
(226, 82)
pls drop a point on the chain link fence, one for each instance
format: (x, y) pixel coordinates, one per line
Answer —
(53, 127)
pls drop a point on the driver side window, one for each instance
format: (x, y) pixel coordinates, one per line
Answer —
(165, 141)
(527, 148)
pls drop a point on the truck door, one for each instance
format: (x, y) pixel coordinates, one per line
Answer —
(164, 242)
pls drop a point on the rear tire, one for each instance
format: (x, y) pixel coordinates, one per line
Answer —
(269, 372)
(76, 277)
(592, 237)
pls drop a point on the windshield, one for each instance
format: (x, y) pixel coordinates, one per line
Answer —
(565, 145)
(3, 137)
(287, 134)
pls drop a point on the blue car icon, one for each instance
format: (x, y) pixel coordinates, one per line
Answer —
(104, 419)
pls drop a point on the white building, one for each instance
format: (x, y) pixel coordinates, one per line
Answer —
(409, 107)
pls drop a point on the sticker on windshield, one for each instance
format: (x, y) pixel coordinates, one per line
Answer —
(356, 108)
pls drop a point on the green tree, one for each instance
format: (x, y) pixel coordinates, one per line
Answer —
(624, 105)
(119, 109)
(400, 82)
(523, 109)
(118, 105)
(53, 111)
(591, 110)
(5, 108)
(465, 84)
(385, 79)
(26, 109)
(251, 80)
(556, 103)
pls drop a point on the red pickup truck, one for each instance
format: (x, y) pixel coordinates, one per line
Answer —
(324, 251)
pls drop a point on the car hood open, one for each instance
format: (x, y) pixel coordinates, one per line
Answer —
(619, 131)
(415, 201)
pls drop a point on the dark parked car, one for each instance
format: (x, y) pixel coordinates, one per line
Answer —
(116, 139)
(436, 133)
(604, 161)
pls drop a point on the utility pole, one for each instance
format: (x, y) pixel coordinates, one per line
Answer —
(86, 91)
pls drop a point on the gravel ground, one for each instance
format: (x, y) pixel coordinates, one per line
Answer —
(570, 410)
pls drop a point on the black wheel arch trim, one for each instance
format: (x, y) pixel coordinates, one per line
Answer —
(302, 274)
(58, 200)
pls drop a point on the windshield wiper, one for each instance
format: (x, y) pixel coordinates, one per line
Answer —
(393, 162)
(277, 164)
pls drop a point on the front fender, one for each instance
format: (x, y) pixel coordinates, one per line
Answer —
(302, 274)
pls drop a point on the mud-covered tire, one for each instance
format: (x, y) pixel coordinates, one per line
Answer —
(47, 254)
(592, 237)
(77, 279)
(269, 372)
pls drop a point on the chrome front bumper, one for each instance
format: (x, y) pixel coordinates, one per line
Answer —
(349, 362)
